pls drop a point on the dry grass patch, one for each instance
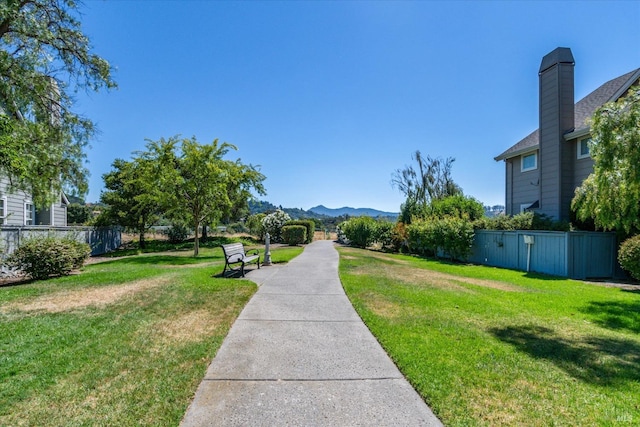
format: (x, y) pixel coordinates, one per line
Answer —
(402, 271)
(189, 327)
(67, 300)
(382, 307)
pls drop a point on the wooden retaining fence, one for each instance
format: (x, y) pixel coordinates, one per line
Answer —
(100, 239)
(574, 254)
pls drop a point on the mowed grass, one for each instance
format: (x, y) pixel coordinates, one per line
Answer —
(125, 342)
(488, 346)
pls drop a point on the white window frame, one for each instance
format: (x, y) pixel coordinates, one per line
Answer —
(29, 214)
(3, 217)
(579, 148)
(535, 165)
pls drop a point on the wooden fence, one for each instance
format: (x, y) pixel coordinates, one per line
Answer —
(100, 239)
(575, 254)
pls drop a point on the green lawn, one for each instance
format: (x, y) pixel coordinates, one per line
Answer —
(488, 346)
(125, 342)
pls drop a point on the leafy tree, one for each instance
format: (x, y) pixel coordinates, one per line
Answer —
(133, 196)
(431, 181)
(204, 187)
(254, 224)
(611, 194)
(44, 59)
(78, 213)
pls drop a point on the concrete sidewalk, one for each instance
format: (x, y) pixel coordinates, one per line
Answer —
(299, 355)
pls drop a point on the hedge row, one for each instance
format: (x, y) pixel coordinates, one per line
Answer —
(309, 225)
(294, 234)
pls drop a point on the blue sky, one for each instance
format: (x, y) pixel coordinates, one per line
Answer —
(330, 98)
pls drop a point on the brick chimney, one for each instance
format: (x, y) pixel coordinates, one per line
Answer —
(556, 119)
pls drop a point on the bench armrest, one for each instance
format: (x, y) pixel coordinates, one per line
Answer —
(255, 252)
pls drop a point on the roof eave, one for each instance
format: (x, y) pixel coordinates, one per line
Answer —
(505, 156)
(577, 133)
(625, 87)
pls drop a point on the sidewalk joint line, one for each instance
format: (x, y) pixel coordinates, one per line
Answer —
(321, 380)
(302, 320)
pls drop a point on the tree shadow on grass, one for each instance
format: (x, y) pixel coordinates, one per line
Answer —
(163, 260)
(617, 315)
(595, 360)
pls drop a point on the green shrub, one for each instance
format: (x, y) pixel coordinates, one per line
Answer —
(421, 238)
(178, 232)
(309, 225)
(457, 237)
(383, 233)
(408, 210)
(399, 237)
(254, 224)
(453, 236)
(459, 206)
(629, 256)
(294, 234)
(521, 221)
(237, 227)
(41, 258)
(360, 231)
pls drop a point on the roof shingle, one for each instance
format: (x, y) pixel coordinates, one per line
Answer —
(584, 109)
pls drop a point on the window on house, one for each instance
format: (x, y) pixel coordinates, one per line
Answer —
(28, 213)
(529, 162)
(524, 207)
(3, 210)
(583, 148)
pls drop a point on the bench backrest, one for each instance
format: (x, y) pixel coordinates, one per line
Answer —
(233, 252)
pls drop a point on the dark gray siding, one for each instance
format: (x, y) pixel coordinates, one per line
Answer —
(582, 167)
(556, 118)
(508, 190)
(59, 216)
(43, 217)
(523, 185)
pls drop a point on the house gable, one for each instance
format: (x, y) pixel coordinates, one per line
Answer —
(584, 109)
(563, 124)
(18, 208)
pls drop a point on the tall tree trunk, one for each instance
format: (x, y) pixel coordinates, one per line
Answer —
(196, 245)
(141, 231)
(204, 233)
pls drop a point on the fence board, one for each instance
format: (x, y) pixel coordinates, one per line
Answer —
(100, 239)
(576, 254)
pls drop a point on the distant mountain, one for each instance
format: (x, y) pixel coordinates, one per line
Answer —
(266, 207)
(322, 210)
(319, 212)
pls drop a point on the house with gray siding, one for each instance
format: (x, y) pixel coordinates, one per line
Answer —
(17, 209)
(543, 169)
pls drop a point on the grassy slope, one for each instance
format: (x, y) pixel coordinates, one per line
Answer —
(124, 343)
(487, 346)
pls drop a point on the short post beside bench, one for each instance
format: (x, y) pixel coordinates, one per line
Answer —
(234, 253)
